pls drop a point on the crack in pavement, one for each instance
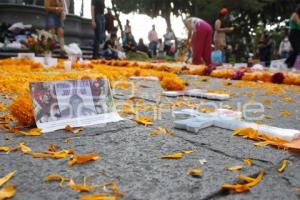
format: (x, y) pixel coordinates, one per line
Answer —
(205, 146)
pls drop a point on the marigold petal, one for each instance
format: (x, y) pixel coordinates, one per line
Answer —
(283, 166)
(173, 156)
(7, 177)
(7, 192)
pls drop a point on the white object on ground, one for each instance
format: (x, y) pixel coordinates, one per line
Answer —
(121, 55)
(202, 161)
(201, 120)
(14, 45)
(278, 65)
(239, 65)
(26, 55)
(68, 65)
(258, 67)
(146, 78)
(19, 25)
(51, 62)
(197, 93)
(73, 51)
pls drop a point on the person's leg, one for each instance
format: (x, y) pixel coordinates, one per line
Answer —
(97, 38)
(207, 45)
(60, 35)
(198, 45)
(268, 56)
(155, 48)
(293, 55)
(102, 29)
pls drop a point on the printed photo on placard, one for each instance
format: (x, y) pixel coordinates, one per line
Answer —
(73, 102)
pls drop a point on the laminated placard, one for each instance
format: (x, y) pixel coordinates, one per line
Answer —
(76, 103)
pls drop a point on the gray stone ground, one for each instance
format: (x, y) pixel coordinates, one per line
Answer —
(130, 156)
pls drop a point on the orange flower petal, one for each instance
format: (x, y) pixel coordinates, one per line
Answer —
(195, 172)
(7, 192)
(283, 166)
(70, 129)
(25, 149)
(32, 132)
(257, 179)
(248, 162)
(7, 178)
(236, 188)
(52, 148)
(82, 159)
(55, 177)
(5, 149)
(246, 178)
(79, 188)
(144, 120)
(173, 156)
(234, 168)
(97, 197)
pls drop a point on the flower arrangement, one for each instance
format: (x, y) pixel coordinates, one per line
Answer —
(42, 43)
(22, 110)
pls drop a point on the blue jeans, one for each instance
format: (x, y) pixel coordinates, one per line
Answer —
(99, 34)
(110, 54)
(53, 21)
(153, 48)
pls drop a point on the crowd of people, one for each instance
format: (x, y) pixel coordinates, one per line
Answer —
(207, 46)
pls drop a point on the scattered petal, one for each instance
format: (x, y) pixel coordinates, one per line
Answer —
(234, 168)
(97, 197)
(5, 149)
(250, 182)
(257, 179)
(297, 190)
(248, 162)
(195, 173)
(32, 132)
(55, 177)
(79, 188)
(70, 129)
(25, 149)
(246, 178)
(283, 166)
(7, 192)
(7, 178)
(52, 148)
(285, 114)
(82, 159)
(236, 187)
(144, 120)
(188, 151)
(173, 156)
(262, 144)
(161, 130)
(57, 155)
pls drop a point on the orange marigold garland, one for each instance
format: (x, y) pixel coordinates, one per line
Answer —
(22, 109)
(172, 83)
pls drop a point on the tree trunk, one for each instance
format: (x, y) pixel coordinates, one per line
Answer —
(167, 15)
(117, 17)
(71, 7)
(82, 8)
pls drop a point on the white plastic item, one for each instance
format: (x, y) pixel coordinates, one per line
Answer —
(68, 65)
(227, 120)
